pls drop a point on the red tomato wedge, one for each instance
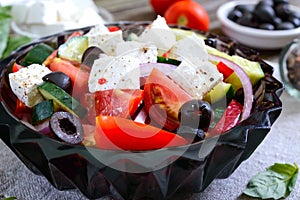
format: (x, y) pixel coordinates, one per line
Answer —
(229, 119)
(163, 99)
(78, 77)
(119, 133)
(50, 58)
(119, 103)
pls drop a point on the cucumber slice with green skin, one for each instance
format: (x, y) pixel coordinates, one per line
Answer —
(170, 61)
(220, 92)
(74, 48)
(37, 55)
(42, 111)
(60, 97)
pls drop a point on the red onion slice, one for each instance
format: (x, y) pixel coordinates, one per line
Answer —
(247, 86)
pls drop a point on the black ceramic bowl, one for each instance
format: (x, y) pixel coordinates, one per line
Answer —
(73, 166)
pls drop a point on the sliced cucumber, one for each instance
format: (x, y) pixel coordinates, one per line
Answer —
(65, 101)
(170, 61)
(74, 48)
(37, 55)
(42, 111)
(219, 92)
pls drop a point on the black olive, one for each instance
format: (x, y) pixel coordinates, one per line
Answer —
(283, 11)
(67, 127)
(277, 21)
(264, 13)
(244, 8)
(285, 26)
(196, 114)
(267, 26)
(191, 134)
(212, 42)
(294, 20)
(234, 15)
(90, 55)
(60, 79)
(246, 20)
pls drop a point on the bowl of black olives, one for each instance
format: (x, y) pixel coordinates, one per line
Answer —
(260, 24)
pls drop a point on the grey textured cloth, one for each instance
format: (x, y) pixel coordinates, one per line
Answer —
(281, 146)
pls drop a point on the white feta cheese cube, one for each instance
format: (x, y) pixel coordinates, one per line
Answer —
(24, 83)
(160, 34)
(196, 80)
(191, 48)
(121, 72)
(105, 40)
(146, 53)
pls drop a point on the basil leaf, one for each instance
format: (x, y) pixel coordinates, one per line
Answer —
(275, 182)
(14, 43)
(4, 27)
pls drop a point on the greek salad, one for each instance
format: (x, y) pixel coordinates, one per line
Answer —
(161, 88)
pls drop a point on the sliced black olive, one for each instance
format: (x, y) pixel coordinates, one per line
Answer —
(60, 79)
(90, 55)
(196, 114)
(67, 127)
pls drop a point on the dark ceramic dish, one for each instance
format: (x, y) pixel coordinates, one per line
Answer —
(73, 166)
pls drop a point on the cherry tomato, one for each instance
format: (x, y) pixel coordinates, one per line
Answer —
(120, 133)
(188, 13)
(160, 6)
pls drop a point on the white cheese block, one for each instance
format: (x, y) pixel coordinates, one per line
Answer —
(196, 75)
(146, 53)
(190, 48)
(24, 83)
(105, 40)
(121, 72)
(196, 80)
(160, 34)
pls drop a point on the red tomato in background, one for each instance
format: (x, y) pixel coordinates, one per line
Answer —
(188, 13)
(160, 6)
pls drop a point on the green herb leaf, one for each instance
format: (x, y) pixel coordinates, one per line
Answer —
(14, 43)
(275, 182)
(5, 18)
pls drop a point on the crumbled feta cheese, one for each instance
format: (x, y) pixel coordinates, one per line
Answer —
(24, 83)
(99, 36)
(121, 72)
(191, 48)
(146, 53)
(196, 80)
(196, 75)
(160, 34)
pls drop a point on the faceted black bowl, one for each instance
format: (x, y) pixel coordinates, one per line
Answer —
(73, 166)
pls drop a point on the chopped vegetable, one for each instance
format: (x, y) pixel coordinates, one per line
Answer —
(120, 133)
